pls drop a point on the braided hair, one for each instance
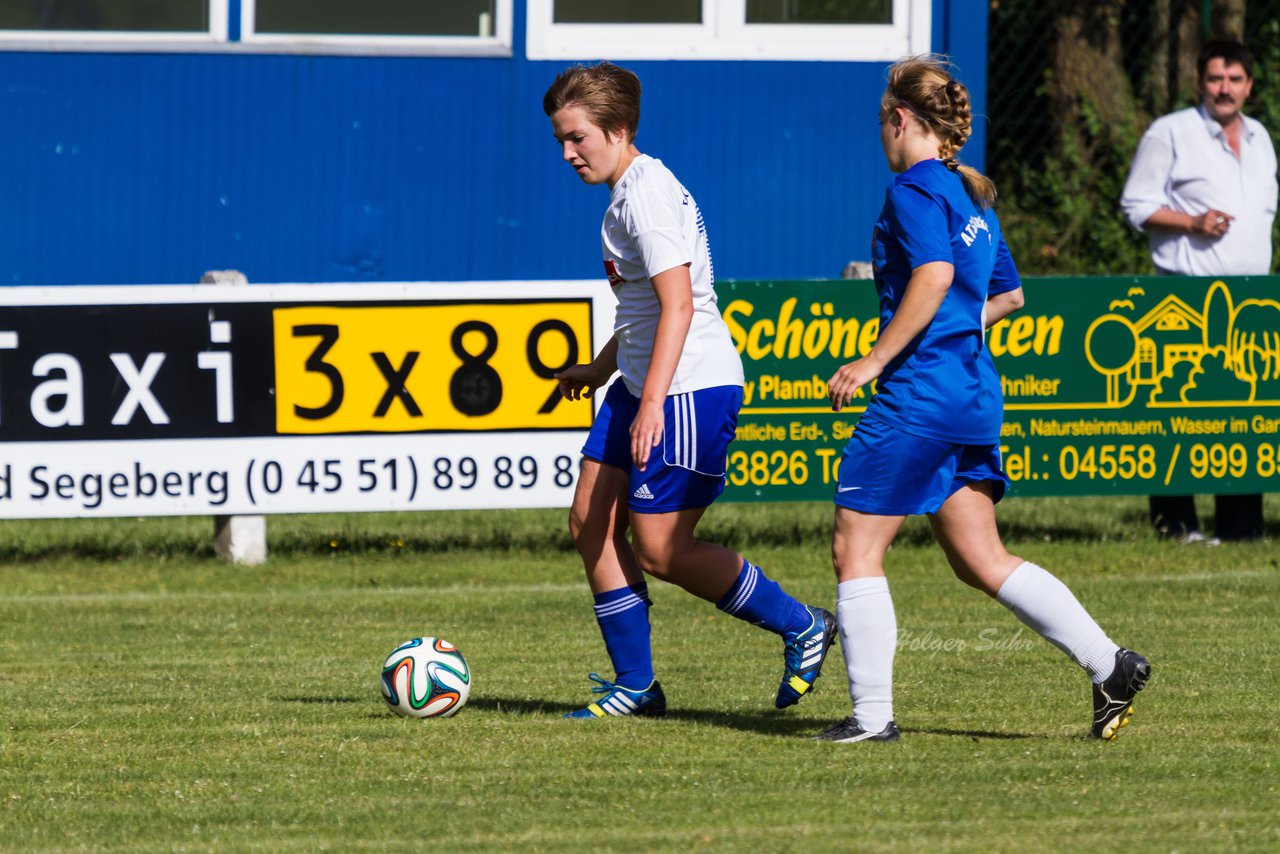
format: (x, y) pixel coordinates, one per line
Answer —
(925, 87)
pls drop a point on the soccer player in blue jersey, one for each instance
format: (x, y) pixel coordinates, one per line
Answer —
(929, 440)
(655, 457)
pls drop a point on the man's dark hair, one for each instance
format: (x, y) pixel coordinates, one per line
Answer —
(1230, 52)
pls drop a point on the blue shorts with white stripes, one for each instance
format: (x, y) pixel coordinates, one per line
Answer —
(688, 469)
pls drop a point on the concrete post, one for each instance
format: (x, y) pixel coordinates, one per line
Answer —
(240, 539)
(857, 270)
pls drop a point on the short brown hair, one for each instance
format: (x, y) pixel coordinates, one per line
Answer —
(1230, 52)
(608, 93)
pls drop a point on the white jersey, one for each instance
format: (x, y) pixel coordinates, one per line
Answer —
(653, 225)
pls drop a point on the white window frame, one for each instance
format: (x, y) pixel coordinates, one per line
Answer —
(218, 39)
(123, 41)
(499, 44)
(724, 34)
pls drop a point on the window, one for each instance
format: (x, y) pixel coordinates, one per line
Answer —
(105, 16)
(628, 12)
(447, 27)
(819, 12)
(331, 17)
(430, 27)
(111, 24)
(728, 29)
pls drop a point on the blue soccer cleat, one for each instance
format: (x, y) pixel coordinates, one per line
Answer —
(803, 656)
(619, 701)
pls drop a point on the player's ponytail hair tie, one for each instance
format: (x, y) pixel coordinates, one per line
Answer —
(951, 163)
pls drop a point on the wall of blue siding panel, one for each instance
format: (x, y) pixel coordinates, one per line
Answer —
(151, 168)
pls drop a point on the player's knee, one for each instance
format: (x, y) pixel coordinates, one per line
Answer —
(965, 574)
(653, 559)
(836, 566)
(586, 529)
(576, 523)
(850, 562)
(987, 575)
(841, 559)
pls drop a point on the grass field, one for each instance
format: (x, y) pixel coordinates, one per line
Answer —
(155, 699)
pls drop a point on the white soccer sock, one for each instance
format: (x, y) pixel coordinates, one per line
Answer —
(869, 637)
(1046, 606)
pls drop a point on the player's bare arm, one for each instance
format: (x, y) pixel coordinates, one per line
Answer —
(674, 290)
(1002, 305)
(581, 381)
(928, 286)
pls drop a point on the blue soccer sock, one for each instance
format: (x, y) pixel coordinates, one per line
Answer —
(762, 602)
(623, 615)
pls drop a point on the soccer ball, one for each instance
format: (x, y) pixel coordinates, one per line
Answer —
(426, 678)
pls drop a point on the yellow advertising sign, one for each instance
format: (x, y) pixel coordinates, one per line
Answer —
(1146, 385)
(479, 365)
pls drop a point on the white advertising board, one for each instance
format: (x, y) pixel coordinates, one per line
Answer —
(181, 400)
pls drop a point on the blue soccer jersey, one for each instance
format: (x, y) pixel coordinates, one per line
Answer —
(943, 385)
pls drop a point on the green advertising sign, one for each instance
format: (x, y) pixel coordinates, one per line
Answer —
(1150, 385)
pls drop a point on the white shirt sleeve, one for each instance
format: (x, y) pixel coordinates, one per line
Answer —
(1147, 189)
(657, 228)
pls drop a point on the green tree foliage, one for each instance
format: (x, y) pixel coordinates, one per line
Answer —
(1071, 89)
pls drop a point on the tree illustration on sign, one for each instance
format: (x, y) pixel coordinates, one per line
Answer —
(1212, 380)
(1255, 346)
(1111, 346)
(1228, 353)
(1217, 317)
(1215, 376)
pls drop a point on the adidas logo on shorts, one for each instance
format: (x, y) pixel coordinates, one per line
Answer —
(643, 493)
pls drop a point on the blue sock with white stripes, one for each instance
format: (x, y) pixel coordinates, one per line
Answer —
(623, 615)
(762, 602)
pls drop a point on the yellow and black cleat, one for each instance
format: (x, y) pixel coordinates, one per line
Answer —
(1113, 699)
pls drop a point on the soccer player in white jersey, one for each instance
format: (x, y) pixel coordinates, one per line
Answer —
(655, 457)
(929, 441)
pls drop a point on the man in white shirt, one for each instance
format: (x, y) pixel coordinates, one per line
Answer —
(1203, 188)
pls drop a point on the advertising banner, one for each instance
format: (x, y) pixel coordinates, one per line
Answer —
(1151, 385)
(292, 398)
(137, 401)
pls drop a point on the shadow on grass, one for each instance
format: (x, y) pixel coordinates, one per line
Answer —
(319, 701)
(765, 722)
(974, 734)
(509, 706)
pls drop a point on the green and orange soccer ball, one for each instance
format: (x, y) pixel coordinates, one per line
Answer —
(426, 678)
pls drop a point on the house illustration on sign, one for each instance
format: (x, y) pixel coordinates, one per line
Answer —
(1222, 354)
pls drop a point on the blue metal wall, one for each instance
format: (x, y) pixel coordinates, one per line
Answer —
(152, 168)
